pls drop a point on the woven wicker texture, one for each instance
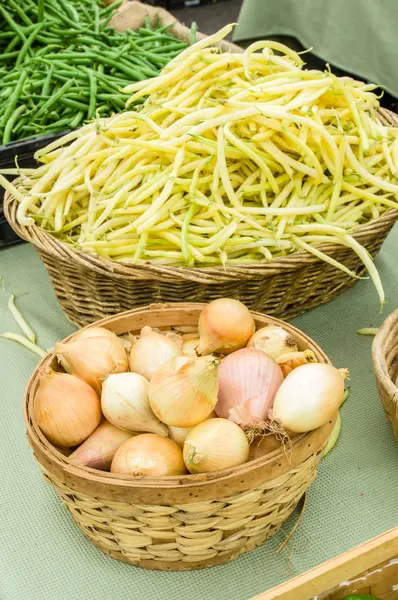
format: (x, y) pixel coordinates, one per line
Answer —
(45, 556)
(380, 582)
(385, 363)
(187, 522)
(91, 288)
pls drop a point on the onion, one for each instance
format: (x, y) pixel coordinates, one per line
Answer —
(288, 362)
(151, 350)
(178, 434)
(125, 403)
(225, 325)
(190, 343)
(148, 455)
(334, 436)
(93, 358)
(248, 382)
(214, 445)
(99, 448)
(183, 392)
(273, 340)
(309, 397)
(67, 409)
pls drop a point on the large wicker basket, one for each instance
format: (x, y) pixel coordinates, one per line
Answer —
(91, 288)
(187, 522)
(385, 363)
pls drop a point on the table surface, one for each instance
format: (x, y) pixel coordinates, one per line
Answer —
(44, 556)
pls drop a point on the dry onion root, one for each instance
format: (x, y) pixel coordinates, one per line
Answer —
(232, 159)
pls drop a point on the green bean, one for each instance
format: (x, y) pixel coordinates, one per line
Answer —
(55, 97)
(13, 99)
(7, 17)
(11, 122)
(93, 95)
(25, 48)
(47, 82)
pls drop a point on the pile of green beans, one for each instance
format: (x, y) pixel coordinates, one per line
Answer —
(61, 64)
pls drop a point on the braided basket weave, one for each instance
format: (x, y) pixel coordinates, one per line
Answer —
(385, 363)
(190, 521)
(91, 288)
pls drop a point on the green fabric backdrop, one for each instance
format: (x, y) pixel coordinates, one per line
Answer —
(358, 36)
(43, 555)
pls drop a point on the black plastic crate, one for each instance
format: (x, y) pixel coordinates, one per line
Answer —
(24, 152)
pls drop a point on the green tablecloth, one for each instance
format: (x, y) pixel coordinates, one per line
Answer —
(358, 36)
(43, 555)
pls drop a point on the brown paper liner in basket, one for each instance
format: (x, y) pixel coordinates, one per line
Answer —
(385, 363)
(191, 521)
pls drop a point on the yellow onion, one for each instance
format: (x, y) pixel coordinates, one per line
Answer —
(67, 409)
(292, 360)
(214, 445)
(273, 340)
(151, 350)
(178, 434)
(93, 358)
(309, 397)
(183, 392)
(225, 325)
(125, 403)
(99, 448)
(148, 455)
(248, 382)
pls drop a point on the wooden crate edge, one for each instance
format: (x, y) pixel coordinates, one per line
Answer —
(333, 572)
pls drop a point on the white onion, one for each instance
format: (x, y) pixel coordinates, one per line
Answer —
(248, 382)
(151, 350)
(273, 340)
(125, 403)
(309, 397)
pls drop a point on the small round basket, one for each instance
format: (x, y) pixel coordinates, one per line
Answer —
(191, 521)
(385, 363)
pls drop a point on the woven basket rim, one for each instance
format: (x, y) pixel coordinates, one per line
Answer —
(48, 243)
(379, 356)
(314, 439)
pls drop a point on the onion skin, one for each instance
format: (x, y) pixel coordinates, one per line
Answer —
(148, 455)
(179, 434)
(100, 447)
(125, 404)
(308, 398)
(214, 445)
(183, 392)
(225, 325)
(151, 351)
(93, 358)
(273, 340)
(248, 382)
(67, 409)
